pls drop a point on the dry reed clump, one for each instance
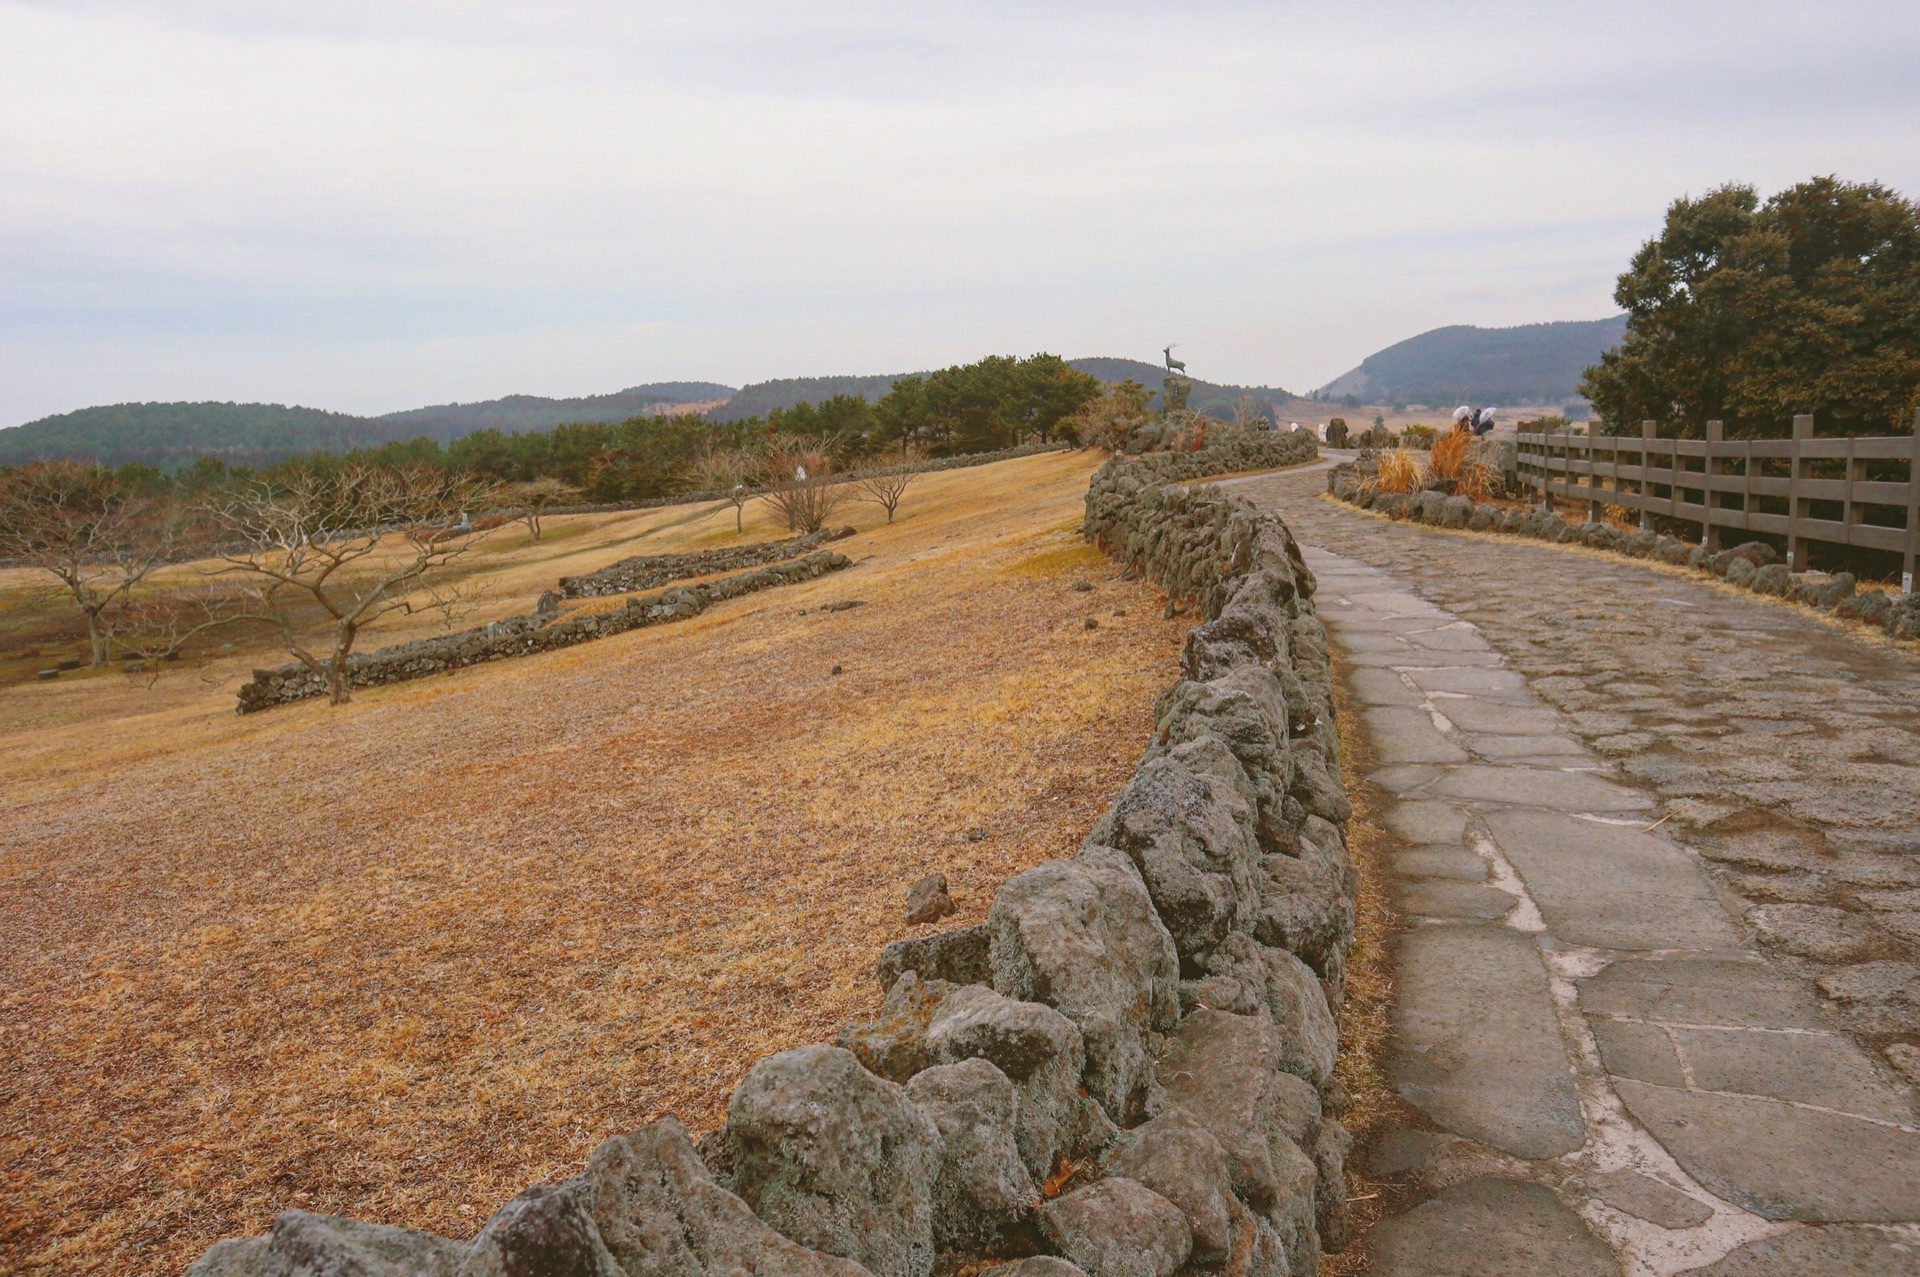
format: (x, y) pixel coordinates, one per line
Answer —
(1402, 470)
(398, 959)
(1450, 452)
(1470, 463)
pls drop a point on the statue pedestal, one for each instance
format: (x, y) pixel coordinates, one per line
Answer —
(1174, 392)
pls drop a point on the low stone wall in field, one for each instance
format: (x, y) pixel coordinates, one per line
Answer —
(1231, 452)
(649, 571)
(522, 635)
(1755, 566)
(1126, 1071)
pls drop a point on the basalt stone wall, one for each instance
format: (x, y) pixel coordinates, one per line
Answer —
(521, 635)
(1754, 566)
(1126, 1071)
(649, 571)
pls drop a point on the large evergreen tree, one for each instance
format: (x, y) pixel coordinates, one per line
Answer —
(1752, 312)
(982, 406)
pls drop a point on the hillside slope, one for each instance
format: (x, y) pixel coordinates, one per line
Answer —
(449, 937)
(1531, 363)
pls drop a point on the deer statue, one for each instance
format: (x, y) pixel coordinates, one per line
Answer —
(1174, 365)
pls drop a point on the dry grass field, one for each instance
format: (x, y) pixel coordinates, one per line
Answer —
(402, 958)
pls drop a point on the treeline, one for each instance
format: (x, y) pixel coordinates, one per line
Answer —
(995, 403)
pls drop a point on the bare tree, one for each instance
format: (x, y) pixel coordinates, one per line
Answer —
(885, 487)
(734, 471)
(359, 543)
(1249, 414)
(155, 626)
(801, 486)
(532, 499)
(79, 524)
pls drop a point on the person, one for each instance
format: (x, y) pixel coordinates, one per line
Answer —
(1478, 420)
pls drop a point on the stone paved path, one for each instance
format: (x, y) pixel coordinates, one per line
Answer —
(1659, 858)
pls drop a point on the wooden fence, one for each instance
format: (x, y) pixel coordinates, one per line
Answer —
(1853, 492)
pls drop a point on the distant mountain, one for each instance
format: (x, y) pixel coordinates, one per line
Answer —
(170, 434)
(532, 412)
(1530, 364)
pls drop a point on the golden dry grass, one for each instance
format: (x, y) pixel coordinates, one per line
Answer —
(1366, 1017)
(1402, 470)
(1450, 452)
(400, 959)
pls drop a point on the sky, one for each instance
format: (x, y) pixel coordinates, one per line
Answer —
(372, 206)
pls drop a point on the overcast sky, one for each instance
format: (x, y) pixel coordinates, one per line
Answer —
(370, 206)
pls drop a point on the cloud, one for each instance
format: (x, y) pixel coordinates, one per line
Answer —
(372, 206)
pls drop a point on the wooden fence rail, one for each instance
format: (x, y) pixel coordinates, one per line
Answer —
(1854, 492)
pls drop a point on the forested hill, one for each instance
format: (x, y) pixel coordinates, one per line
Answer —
(1214, 398)
(532, 412)
(170, 434)
(1533, 363)
(761, 398)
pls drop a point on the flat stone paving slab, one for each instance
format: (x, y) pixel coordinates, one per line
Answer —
(1783, 1161)
(1403, 735)
(1454, 900)
(1822, 1069)
(1647, 1198)
(1833, 1251)
(1490, 1228)
(1707, 991)
(1409, 659)
(1612, 887)
(1452, 638)
(1472, 681)
(1428, 822)
(1477, 1043)
(1538, 787)
(1501, 748)
(1383, 687)
(1477, 714)
(1405, 778)
(1452, 863)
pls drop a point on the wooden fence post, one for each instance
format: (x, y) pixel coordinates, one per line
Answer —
(1802, 429)
(1593, 474)
(1709, 532)
(1913, 509)
(1647, 429)
(1546, 466)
